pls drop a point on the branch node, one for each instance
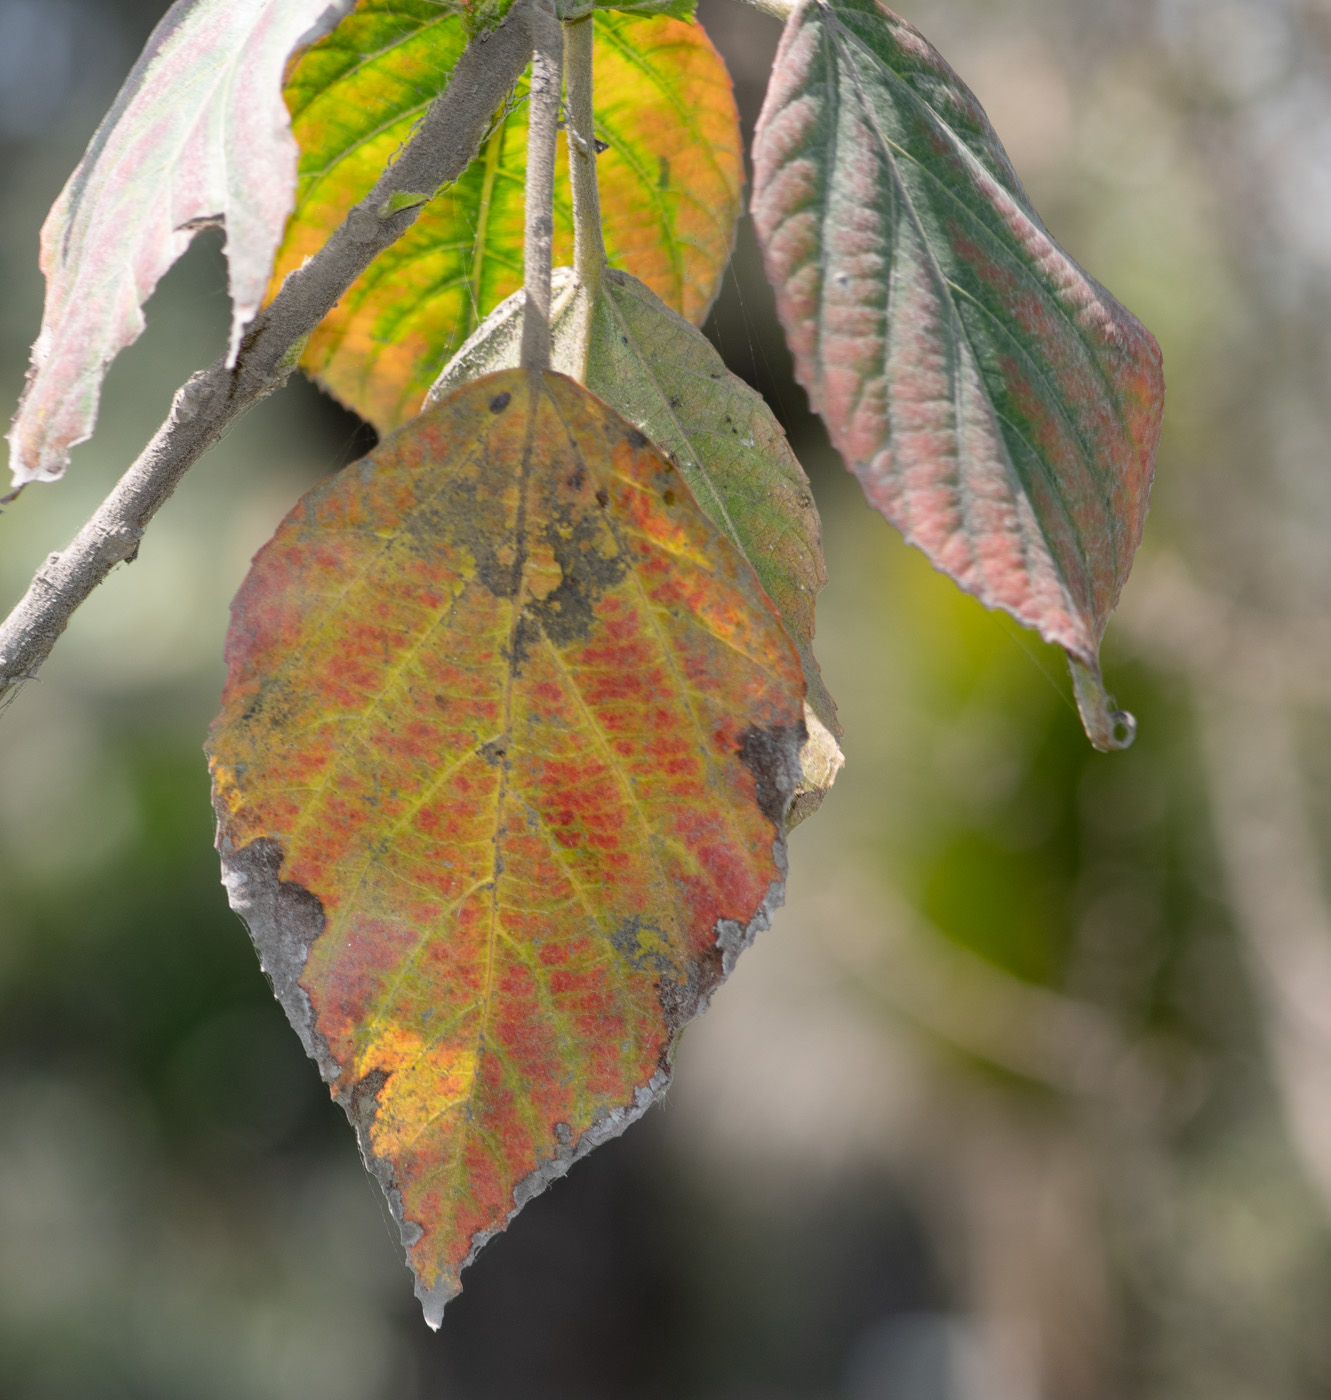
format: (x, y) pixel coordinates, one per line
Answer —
(444, 144)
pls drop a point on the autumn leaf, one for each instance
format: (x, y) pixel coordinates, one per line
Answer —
(670, 181)
(508, 737)
(199, 135)
(663, 375)
(997, 404)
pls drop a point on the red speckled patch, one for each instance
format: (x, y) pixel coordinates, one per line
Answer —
(525, 724)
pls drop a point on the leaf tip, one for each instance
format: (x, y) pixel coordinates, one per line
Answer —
(1109, 729)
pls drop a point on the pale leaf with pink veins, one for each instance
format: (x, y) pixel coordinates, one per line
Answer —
(198, 136)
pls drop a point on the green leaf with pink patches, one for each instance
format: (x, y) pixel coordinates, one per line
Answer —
(997, 404)
(508, 740)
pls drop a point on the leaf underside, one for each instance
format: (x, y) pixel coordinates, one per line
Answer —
(670, 183)
(508, 736)
(663, 375)
(997, 404)
(198, 135)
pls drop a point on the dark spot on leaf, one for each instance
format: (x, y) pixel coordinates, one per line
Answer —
(669, 498)
(494, 752)
(635, 438)
(363, 1102)
(576, 480)
(470, 519)
(500, 402)
(567, 613)
(627, 940)
(772, 755)
(682, 1000)
(675, 401)
(603, 498)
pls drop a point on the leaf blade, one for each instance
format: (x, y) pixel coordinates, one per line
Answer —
(518, 721)
(664, 376)
(198, 133)
(997, 404)
(664, 104)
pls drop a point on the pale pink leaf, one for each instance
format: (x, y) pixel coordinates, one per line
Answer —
(198, 135)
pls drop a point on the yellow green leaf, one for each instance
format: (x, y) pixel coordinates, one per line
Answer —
(670, 183)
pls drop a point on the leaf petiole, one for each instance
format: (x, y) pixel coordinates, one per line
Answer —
(547, 75)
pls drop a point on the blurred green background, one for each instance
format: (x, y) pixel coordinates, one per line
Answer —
(1027, 1093)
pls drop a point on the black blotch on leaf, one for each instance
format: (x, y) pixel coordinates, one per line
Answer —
(772, 755)
(603, 498)
(669, 498)
(627, 942)
(500, 402)
(567, 613)
(494, 752)
(363, 1102)
(635, 438)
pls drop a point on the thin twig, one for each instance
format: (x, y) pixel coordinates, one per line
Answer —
(547, 80)
(444, 145)
(588, 243)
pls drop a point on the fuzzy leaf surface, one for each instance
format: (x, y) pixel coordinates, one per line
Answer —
(998, 405)
(662, 374)
(670, 185)
(198, 135)
(508, 737)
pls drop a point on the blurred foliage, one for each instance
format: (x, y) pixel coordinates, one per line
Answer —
(1000, 1109)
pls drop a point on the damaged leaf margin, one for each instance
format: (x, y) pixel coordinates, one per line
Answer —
(628, 980)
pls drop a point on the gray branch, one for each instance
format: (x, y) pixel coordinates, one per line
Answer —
(443, 146)
(588, 240)
(547, 80)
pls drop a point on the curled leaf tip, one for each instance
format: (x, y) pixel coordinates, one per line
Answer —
(1107, 727)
